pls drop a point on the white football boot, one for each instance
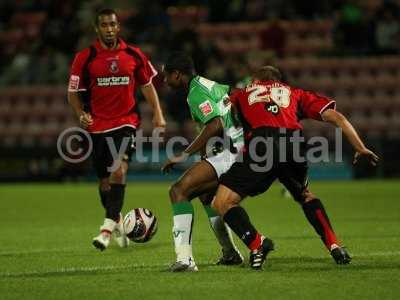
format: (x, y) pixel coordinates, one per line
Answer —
(119, 233)
(184, 266)
(102, 241)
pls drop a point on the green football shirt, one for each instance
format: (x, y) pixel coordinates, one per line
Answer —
(208, 99)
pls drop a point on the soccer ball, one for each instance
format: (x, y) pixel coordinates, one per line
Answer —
(140, 225)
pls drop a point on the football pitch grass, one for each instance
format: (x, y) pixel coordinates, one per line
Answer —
(46, 251)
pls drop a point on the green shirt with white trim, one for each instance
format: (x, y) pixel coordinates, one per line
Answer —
(208, 99)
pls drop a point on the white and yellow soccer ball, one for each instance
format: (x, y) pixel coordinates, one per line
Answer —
(140, 225)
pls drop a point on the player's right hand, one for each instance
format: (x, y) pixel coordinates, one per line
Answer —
(371, 156)
(85, 119)
(169, 164)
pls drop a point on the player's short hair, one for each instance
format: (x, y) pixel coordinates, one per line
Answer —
(103, 12)
(180, 61)
(267, 73)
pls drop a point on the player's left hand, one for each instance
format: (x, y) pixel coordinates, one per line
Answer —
(168, 165)
(371, 156)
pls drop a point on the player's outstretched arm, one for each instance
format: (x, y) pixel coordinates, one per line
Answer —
(213, 128)
(85, 119)
(339, 120)
(151, 96)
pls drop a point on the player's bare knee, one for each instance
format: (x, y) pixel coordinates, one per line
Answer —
(231, 202)
(177, 192)
(172, 193)
(223, 205)
(308, 196)
(104, 184)
(118, 176)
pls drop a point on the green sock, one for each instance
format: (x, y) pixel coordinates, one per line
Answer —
(182, 208)
(211, 212)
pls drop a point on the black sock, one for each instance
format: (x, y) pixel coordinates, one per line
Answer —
(316, 215)
(117, 194)
(239, 221)
(104, 197)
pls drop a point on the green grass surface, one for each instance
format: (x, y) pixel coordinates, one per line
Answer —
(46, 251)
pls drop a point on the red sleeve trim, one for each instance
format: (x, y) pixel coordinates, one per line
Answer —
(75, 91)
(331, 103)
(152, 76)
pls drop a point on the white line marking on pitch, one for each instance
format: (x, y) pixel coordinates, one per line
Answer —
(143, 266)
(77, 270)
(38, 251)
(381, 253)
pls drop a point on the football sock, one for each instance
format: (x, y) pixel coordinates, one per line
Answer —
(108, 226)
(182, 230)
(116, 201)
(221, 231)
(316, 215)
(104, 196)
(239, 221)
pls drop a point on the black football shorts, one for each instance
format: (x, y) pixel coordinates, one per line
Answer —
(252, 177)
(102, 155)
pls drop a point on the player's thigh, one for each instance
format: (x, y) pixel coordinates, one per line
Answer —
(294, 176)
(121, 147)
(122, 143)
(100, 156)
(200, 178)
(111, 149)
(245, 179)
(225, 199)
(118, 171)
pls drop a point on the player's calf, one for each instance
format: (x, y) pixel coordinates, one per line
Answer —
(316, 215)
(230, 253)
(178, 192)
(225, 200)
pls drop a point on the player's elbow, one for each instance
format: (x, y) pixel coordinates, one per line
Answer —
(148, 91)
(69, 97)
(72, 97)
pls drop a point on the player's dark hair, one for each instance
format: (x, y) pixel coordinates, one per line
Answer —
(267, 73)
(103, 12)
(180, 61)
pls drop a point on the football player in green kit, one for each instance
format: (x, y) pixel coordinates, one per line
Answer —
(210, 108)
